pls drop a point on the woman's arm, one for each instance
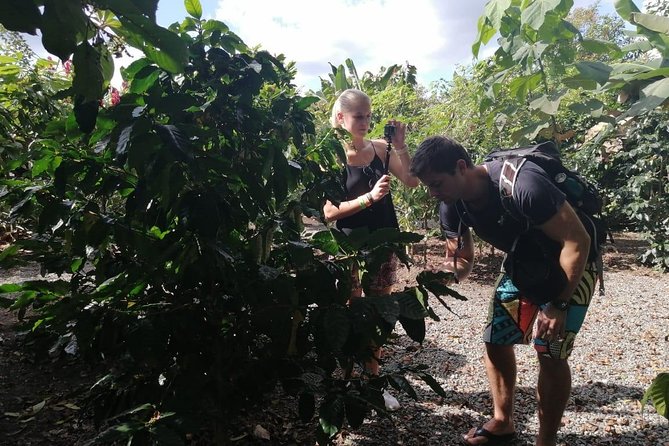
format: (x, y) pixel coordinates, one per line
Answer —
(351, 207)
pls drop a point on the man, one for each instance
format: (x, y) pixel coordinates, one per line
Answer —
(470, 197)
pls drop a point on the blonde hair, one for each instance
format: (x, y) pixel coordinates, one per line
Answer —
(345, 102)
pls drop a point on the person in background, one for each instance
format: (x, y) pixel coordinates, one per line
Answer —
(368, 202)
(469, 196)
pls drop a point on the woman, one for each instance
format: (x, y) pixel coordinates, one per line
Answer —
(368, 202)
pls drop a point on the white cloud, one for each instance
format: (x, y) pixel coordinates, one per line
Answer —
(433, 35)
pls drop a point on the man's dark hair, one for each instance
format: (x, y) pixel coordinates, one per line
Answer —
(438, 154)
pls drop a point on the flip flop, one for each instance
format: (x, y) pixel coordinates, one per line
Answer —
(493, 439)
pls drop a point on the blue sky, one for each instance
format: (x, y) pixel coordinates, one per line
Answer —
(433, 35)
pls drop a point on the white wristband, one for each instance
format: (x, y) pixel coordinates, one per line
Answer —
(403, 150)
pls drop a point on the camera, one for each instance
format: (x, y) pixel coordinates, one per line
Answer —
(388, 132)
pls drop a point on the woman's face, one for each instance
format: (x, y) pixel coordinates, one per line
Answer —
(356, 119)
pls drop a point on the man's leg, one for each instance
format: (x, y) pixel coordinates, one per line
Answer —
(553, 391)
(500, 365)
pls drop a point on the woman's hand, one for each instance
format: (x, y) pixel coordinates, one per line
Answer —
(400, 133)
(381, 188)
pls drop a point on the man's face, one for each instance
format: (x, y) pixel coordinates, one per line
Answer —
(443, 186)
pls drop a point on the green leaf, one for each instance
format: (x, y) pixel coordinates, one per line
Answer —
(596, 71)
(658, 395)
(325, 241)
(356, 410)
(592, 107)
(535, 14)
(410, 306)
(579, 81)
(194, 8)
(522, 86)
(332, 414)
(340, 82)
(399, 382)
(495, 11)
(602, 47)
(434, 385)
(485, 32)
(10, 287)
(414, 328)
(306, 101)
(625, 8)
(64, 25)
(545, 104)
(160, 45)
(654, 95)
(88, 77)
(337, 327)
(20, 15)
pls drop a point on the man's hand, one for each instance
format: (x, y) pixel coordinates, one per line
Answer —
(550, 324)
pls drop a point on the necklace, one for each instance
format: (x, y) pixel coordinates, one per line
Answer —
(355, 149)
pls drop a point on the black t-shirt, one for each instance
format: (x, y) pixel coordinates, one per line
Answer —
(534, 196)
(358, 180)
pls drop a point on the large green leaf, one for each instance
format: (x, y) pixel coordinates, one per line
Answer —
(332, 414)
(194, 8)
(159, 44)
(625, 8)
(652, 22)
(336, 327)
(535, 14)
(602, 47)
(20, 15)
(485, 32)
(653, 96)
(64, 25)
(325, 241)
(88, 76)
(547, 104)
(522, 86)
(495, 11)
(399, 382)
(597, 71)
(658, 394)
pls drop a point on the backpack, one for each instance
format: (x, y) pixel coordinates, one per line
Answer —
(581, 194)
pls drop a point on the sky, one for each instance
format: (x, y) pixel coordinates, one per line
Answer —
(433, 35)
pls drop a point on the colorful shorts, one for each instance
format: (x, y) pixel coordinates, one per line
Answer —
(386, 277)
(511, 316)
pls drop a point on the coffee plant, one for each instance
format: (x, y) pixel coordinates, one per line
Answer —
(173, 218)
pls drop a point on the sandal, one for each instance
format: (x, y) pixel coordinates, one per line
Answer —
(493, 439)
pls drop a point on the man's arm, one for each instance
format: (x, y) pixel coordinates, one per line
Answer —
(465, 256)
(565, 228)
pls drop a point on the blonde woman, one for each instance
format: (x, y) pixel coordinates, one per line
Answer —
(368, 201)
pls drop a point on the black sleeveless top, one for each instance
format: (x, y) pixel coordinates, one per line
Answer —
(358, 180)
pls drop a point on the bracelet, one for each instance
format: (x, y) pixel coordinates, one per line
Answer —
(362, 203)
(370, 199)
(403, 150)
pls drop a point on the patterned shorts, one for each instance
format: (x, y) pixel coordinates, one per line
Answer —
(511, 316)
(386, 277)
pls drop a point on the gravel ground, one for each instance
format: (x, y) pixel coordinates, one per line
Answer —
(620, 349)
